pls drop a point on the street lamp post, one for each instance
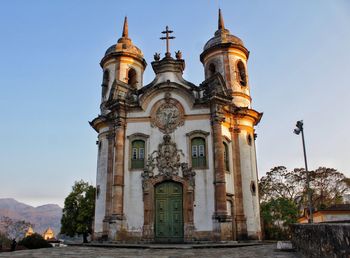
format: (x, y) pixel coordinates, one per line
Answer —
(297, 131)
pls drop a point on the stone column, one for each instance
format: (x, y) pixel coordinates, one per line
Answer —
(108, 207)
(118, 218)
(118, 178)
(219, 172)
(241, 221)
(222, 220)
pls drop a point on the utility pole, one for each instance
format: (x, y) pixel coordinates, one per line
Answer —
(300, 128)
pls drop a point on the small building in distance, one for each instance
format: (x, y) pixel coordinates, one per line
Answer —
(49, 234)
(339, 212)
(29, 232)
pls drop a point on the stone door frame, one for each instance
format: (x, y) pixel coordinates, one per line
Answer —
(149, 184)
(169, 211)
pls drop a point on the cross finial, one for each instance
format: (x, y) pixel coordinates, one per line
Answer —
(167, 37)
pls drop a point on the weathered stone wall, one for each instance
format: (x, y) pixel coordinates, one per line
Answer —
(322, 240)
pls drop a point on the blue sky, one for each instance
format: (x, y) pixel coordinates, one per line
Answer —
(50, 79)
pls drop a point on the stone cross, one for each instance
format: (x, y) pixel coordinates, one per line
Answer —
(167, 37)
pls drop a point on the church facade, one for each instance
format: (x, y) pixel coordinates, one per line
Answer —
(176, 161)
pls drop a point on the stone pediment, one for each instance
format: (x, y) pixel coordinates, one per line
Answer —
(149, 93)
(168, 71)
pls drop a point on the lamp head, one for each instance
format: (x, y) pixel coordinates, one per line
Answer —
(297, 131)
(299, 125)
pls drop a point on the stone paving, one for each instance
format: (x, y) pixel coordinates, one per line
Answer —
(259, 251)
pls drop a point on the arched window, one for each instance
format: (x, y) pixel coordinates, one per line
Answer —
(198, 152)
(211, 69)
(242, 75)
(253, 188)
(226, 157)
(132, 78)
(249, 139)
(138, 154)
(105, 80)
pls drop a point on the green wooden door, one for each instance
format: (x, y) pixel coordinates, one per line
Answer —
(168, 219)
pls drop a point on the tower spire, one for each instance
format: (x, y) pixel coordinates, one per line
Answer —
(221, 25)
(125, 28)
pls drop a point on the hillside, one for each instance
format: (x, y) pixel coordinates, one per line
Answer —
(42, 216)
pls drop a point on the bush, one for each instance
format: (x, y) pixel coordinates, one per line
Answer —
(5, 242)
(34, 241)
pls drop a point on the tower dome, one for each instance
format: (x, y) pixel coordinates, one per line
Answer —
(226, 54)
(122, 62)
(223, 37)
(124, 45)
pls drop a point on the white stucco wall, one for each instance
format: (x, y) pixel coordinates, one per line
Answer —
(101, 182)
(204, 189)
(336, 217)
(248, 170)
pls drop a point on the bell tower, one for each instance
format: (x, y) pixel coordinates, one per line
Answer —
(226, 54)
(123, 63)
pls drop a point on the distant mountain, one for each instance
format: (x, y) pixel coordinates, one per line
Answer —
(42, 217)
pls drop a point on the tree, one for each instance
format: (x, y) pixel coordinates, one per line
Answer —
(328, 187)
(13, 229)
(283, 194)
(4, 241)
(78, 211)
(281, 183)
(277, 215)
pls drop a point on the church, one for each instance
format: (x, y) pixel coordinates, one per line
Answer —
(176, 161)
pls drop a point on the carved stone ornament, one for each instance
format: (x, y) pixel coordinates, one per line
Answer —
(167, 159)
(167, 114)
(156, 56)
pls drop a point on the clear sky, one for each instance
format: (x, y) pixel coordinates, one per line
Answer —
(50, 79)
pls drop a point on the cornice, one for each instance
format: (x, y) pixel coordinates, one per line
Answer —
(247, 112)
(225, 46)
(121, 54)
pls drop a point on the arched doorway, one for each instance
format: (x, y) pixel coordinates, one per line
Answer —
(169, 225)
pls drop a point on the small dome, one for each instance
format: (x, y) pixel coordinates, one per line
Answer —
(124, 47)
(222, 36)
(124, 44)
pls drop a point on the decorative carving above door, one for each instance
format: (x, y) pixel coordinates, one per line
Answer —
(167, 114)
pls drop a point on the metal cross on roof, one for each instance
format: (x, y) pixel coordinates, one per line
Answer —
(167, 37)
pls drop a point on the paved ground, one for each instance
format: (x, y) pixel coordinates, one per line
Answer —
(258, 251)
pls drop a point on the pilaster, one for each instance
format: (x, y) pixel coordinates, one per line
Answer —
(118, 217)
(108, 211)
(118, 178)
(222, 220)
(219, 163)
(240, 219)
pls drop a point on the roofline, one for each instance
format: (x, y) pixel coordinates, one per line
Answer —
(224, 46)
(120, 54)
